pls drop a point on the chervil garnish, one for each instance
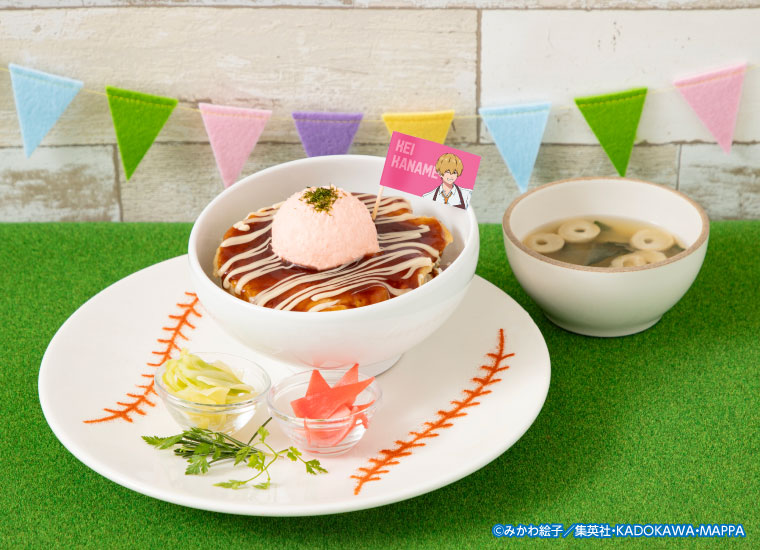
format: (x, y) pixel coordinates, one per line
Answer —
(203, 448)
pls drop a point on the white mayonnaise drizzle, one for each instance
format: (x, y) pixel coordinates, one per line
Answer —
(322, 285)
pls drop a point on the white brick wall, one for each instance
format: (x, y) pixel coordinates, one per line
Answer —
(370, 56)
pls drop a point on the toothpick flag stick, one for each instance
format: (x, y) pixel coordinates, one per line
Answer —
(377, 203)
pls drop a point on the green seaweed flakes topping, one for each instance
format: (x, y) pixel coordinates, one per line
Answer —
(321, 199)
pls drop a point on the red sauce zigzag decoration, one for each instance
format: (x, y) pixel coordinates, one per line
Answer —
(390, 457)
(141, 399)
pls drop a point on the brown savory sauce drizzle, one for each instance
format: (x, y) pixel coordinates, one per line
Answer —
(410, 249)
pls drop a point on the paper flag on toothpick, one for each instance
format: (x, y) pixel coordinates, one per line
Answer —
(137, 120)
(715, 98)
(233, 133)
(430, 170)
(517, 131)
(614, 119)
(326, 133)
(432, 126)
(41, 99)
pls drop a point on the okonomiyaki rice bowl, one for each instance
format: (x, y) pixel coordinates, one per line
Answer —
(374, 335)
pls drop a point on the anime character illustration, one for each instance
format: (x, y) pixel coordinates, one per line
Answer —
(450, 167)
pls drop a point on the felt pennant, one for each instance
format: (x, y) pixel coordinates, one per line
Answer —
(326, 133)
(614, 119)
(715, 96)
(233, 133)
(517, 131)
(432, 126)
(41, 99)
(137, 120)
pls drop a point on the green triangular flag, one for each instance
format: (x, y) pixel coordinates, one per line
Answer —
(137, 120)
(614, 119)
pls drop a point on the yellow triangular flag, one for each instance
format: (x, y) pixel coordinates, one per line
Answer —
(432, 126)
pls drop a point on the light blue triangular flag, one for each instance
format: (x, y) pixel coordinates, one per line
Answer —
(517, 131)
(41, 99)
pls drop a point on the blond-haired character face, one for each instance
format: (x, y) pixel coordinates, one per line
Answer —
(449, 167)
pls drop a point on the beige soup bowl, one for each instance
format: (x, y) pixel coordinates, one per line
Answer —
(599, 301)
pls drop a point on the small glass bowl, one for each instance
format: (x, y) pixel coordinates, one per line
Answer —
(326, 437)
(218, 418)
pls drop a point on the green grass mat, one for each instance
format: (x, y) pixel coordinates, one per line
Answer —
(659, 427)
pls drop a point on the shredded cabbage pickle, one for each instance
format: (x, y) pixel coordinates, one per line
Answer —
(191, 378)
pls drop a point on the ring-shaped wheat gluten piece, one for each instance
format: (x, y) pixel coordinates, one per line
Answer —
(653, 256)
(638, 258)
(578, 231)
(652, 238)
(545, 243)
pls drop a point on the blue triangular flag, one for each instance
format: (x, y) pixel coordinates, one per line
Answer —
(41, 98)
(517, 131)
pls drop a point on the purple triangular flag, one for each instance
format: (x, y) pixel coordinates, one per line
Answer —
(326, 133)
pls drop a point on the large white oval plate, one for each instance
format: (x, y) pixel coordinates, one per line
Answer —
(100, 357)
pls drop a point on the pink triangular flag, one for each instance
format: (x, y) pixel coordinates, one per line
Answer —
(233, 133)
(715, 98)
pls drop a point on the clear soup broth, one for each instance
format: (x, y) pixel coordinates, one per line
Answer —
(604, 242)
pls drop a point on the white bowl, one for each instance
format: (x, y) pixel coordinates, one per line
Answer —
(374, 336)
(601, 301)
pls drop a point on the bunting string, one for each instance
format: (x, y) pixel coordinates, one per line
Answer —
(568, 107)
(517, 130)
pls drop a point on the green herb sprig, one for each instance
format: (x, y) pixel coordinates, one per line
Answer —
(202, 448)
